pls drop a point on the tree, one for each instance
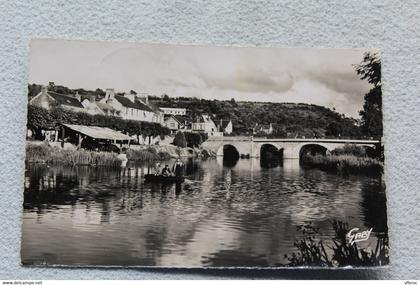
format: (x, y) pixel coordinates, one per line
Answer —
(193, 139)
(333, 129)
(180, 140)
(370, 69)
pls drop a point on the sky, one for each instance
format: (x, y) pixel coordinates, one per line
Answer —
(323, 77)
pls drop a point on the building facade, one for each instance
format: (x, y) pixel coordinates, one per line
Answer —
(174, 111)
(129, 107)
(225, 126)
(204, 124)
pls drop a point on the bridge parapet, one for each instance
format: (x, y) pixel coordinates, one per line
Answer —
(229, 139)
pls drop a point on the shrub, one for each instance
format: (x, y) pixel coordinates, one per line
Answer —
(344, 163)
(180, 140)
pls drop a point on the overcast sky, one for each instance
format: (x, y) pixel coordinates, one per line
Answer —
(316, 76)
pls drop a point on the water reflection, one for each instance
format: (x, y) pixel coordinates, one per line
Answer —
(241, 215)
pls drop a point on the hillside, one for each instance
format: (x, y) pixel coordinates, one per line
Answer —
(288, 119)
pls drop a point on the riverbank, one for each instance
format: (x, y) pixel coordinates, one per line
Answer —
(344, 164)
(40, 152)
(44, 153)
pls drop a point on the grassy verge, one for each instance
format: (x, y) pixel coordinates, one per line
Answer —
(43, 153)
(344, 163)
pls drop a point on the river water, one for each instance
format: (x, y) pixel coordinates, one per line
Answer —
(240, 215)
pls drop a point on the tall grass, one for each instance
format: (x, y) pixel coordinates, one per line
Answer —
(344, 163)
(52, 155)
(147, 154)
(312, 250)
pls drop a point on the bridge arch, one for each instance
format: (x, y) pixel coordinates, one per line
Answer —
(227, 150)
(270, 150)
(230, 154)
(313, 149)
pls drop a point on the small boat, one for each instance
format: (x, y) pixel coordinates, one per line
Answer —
(163, 179)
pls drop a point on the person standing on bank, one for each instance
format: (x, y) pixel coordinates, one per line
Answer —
(178, 168)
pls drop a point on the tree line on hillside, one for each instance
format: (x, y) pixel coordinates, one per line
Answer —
(42, 119)
(287, 119)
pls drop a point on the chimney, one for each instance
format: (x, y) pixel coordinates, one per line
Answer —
(44, 89)
(78, 96)
(130, 96)
(110, 93)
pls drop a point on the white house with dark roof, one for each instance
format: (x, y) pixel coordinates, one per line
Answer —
(204, 124)
(265, 129)
(225, 126)
(129, 107)
(174, 111)
(175, 123)
(48, 99)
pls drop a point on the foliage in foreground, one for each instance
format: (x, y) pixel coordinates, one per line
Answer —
(344, 163)
(43, 153)
(313, 252)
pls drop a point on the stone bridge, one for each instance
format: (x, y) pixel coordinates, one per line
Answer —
(291, 148)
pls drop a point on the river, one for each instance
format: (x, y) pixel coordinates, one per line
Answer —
(240, 215)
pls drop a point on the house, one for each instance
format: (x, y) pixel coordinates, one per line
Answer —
(129, 107)
(175, 123)
(225, 127)
(265, 129)
(204, 124)
(48, 99)
(174, 111)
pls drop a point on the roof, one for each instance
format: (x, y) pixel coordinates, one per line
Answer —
(130, 104)
(65, 100)
(99, 132)
(183, 119)
(105, 107)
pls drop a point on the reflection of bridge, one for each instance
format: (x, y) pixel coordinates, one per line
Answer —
(291, 148)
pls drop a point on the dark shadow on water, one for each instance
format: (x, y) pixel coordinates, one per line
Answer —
(270, 156)
(230, 156)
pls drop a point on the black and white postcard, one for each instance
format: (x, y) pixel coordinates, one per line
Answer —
(203, 156)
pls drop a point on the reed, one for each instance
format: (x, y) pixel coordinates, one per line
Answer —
(43, 153)
(147, 154)
(344, 163)
(313, 250)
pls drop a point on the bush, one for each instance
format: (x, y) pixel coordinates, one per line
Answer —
(180, 140)
(344, 163)
(350, 149)
(195, 139)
